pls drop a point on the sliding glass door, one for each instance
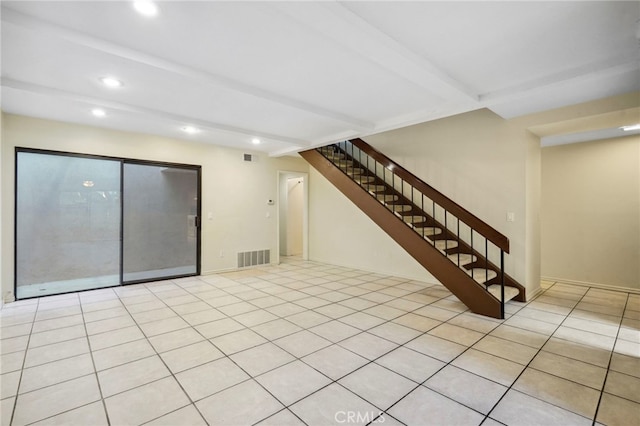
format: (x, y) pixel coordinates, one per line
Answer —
(85, 222)
(67, 224)
(160, 206)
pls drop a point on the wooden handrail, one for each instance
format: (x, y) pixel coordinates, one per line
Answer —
(442, 200)
(471, 293)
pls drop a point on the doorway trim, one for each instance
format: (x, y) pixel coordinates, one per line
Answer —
(282, 177)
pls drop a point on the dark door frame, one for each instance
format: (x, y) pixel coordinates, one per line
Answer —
(122, 161)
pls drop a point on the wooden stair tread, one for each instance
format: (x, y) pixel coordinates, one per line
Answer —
(386, 197)
(509, 292)
(363, 179)
(333, 156)
(413, 218)
(482, 275)
(445, 244)
(465, 258)
(356, 172)
(428, 231)
(399, 207)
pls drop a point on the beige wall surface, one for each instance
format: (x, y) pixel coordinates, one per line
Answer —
(341, 234)
(591, 212)
(2, 207)
(483, 162)
(295, 206)
(235, 192)
(533, 176)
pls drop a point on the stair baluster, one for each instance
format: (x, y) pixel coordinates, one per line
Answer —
(395, 188)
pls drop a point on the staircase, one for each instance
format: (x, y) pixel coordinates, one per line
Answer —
(465, 254)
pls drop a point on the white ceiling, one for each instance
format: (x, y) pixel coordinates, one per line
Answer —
(302, 74)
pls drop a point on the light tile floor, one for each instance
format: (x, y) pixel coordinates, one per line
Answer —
(309, 343)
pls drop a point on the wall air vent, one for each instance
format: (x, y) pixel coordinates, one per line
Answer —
(253, 258)
(250, 157)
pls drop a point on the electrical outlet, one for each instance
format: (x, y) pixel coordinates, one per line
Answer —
(221, 253)
(511, 217)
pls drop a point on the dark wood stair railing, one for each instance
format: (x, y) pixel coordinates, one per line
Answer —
(376, 184)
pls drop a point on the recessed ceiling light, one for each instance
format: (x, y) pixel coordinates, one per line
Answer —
(255, 141)
(97, 112)
(190, 129)
(111, 82)
(146, 8)
(630, 128)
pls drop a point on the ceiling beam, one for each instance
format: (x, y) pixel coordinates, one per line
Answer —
(79, 38)
(607, 68)
(345, 28)
(150, 112)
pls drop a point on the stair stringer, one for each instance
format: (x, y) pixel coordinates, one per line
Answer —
(481, 262)
(472, 294)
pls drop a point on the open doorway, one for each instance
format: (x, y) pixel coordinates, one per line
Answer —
(292, 214)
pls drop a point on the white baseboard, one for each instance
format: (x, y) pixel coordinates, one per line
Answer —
(218, 271)
(532, 295)
(235, 269)
(595, 285)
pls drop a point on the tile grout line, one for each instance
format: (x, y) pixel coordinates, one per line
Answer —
(157, 354)
(372, 361)
(93, 362)
(68, 380)
(228, 356)
(250, 377)
(225, 355)
(366, 330)
(538, 352)
(24, 360)
(332, 381)
(295, 358)
(376, 303)
(604, 383)
(446, 364)
(308, 309)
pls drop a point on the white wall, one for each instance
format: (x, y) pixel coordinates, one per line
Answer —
(234, 191)
(2, 208)
(341, 234)
(283, 212)
(295, 205)
(591, 212)
(533, 188)
(487, 164)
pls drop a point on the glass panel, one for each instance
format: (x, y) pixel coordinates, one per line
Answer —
(160, 235)
(67, 224)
